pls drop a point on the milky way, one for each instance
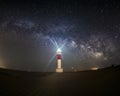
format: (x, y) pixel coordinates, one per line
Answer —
(89, 33)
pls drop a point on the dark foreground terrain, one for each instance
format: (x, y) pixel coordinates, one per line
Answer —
(105, 82)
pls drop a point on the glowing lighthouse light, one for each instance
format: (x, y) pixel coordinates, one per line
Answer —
(58, 50)
(59, 58)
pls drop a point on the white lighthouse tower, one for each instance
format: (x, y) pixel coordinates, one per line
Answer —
(59, 58)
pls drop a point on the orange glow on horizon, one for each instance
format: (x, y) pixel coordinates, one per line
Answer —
(94, 68)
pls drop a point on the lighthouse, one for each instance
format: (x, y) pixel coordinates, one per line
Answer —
(59, 58)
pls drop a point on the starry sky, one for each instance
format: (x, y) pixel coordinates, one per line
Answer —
(87, 30)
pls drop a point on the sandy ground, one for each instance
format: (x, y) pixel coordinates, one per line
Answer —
(104, 82)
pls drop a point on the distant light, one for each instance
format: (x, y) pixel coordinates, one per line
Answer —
(94, 68)
(2, 64)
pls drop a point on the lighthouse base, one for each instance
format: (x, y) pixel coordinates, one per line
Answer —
(59, 70)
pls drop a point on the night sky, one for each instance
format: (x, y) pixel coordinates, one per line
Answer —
(87, 30)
